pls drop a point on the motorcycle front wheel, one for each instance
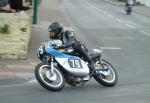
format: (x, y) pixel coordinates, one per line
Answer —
(111, 77)
(53, 82)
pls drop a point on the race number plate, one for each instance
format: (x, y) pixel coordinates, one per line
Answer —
(75, 63)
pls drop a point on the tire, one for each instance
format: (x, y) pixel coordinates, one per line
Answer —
(44, 80)
(108, 83)
(128, 13)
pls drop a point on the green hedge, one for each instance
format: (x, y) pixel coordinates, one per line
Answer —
(4, 29)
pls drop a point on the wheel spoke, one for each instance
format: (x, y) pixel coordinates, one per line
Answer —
(46, 79)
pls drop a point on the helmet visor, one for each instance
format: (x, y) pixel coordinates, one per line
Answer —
(51, 30)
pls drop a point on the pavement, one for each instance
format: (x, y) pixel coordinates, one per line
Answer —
(15, 71)
(20, 71)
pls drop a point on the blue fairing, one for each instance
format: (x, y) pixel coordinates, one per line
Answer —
(57, 54)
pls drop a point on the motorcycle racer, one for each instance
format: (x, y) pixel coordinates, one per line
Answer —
(56, 31)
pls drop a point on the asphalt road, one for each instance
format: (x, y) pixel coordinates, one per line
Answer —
(125, 43)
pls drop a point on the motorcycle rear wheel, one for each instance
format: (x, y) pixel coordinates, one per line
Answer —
(128, 13)
(110, 80)
(54, 82)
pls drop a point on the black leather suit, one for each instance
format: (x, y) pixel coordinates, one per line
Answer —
(69, 40)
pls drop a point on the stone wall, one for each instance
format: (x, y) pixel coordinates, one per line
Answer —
(14, 44)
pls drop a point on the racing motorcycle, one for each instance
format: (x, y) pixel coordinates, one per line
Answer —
(64, 66)
(129, 9)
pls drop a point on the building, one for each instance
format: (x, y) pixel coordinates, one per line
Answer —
(145, 2)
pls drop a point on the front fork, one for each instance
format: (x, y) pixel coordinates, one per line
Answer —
(50, 74)
(50, 61)
(52, 65)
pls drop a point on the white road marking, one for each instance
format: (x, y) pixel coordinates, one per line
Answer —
(110, 16)
(120, 21)
(144, 32)
(132, 23)
(121, 38)
(130, 26)
(32, 81)
(112, 48)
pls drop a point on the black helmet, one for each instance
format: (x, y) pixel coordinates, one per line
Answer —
(56, 28)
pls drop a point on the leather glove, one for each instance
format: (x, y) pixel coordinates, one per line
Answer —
(62, 47)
